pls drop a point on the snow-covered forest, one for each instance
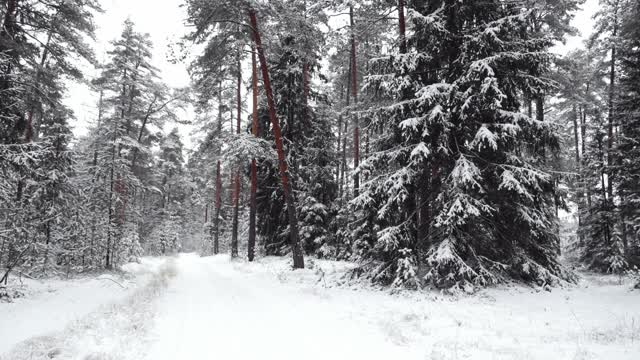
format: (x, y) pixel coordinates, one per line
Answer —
(346, 164)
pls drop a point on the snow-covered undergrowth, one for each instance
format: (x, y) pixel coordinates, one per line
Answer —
(599, 318)
(111, 331)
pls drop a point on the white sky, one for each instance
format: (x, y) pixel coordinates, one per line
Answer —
(164, 21)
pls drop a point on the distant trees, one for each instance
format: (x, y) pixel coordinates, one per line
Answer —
(123, 173)
(598, 101)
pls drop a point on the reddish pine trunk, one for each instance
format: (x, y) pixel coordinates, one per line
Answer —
(612, 80)
(254, 167)
(344, 159)
(402, 25)
(579, 193)
(216, 227)
(121, 190)
(236, 179)
(354, 93)
(298, 258)
(574, 118)
(7, 32)
(583, 144)
(305, 92)
(215, 218)
(9, 28)
(236, 197)
(338, 152)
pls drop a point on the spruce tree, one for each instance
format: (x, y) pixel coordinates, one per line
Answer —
(459, 191)
(628, 170)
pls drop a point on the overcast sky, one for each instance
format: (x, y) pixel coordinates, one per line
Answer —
(164, 21)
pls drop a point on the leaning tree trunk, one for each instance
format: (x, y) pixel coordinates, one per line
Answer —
(251, 245)
(296, 250)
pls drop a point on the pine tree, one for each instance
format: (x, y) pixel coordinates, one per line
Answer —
(37, 43)
(120, 164)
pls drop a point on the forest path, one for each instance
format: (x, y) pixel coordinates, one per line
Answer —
(219, 309)
(199, 308)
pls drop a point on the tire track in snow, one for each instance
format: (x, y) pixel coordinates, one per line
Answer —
(214, 311)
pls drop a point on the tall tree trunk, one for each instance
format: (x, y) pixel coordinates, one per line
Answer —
(110, 212)
(612, 81)
(607, 234)
(574, 119)
(354, 93)
(540, 117)
(296, 250)
(583, 146)
(7, 33)
(402, 27)
(236, 178)
(344, 140)
(579, 193)
(215, 219)
(305, 80)
(236, 210)
(29, 132)
(254, 167)
(218, 204)
(338, 152)
(344, 159)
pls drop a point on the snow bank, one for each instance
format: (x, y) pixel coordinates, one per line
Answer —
(597, 319)
(73, 317)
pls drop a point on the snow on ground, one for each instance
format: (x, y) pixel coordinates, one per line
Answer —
(56, 312)
(215, 308)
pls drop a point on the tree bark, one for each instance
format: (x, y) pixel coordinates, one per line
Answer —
(218, 202)
(236, 178)
(612, 78)
(579, 193)
(583, 146)
(354, 93)
(254, 167)
(298, 258)
(337, 153)
(402, 26)
(8, 31)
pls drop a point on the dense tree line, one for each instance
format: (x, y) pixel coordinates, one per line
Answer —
(598, 88)
(434, 142)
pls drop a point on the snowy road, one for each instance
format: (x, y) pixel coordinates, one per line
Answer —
(212, 308)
